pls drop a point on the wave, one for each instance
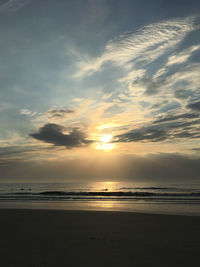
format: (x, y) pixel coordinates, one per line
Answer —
(146, 196)
(110, 194)
(157, 188)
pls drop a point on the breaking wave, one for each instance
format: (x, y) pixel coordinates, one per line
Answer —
(161, 197)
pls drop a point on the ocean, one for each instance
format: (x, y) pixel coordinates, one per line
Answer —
(180, 199)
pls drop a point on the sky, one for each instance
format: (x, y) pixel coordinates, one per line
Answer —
(100, 90)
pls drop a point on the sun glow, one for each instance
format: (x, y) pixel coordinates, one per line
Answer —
(104, 142)
(106, 138)
(108, 125)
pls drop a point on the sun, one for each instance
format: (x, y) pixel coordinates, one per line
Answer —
(106, 138)
(104, 142)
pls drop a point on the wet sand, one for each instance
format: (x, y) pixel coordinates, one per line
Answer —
(36, 238)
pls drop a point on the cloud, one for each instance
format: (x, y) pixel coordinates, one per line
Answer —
(183, 56)
(149, 85)
(141, 47)
(196, 149)
(143, 134)
(187, 78)
(177, 117)
(59, 113)
(28, 112)
(12, 5)
(182, 93)
(194, 106)
(165, 129)
(182, 83)
(151, 65)
(53, 134)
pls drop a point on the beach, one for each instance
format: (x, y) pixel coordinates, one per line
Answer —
(37, 238)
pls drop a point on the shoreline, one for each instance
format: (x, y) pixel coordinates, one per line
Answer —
(97, 238)
(94, 211)
(110, 206)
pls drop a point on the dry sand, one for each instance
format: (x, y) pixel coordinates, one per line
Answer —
(88, 238)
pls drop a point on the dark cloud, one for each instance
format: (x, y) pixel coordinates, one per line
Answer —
(142, 134)
(53, 134)
(56, 113)
(165, 131)
(196, 149)
(177, 117)
(194, 106)
(159, 105)
(182, 94)
(152, 86)
(168, 107)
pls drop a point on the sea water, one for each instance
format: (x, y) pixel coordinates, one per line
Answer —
(105, 196)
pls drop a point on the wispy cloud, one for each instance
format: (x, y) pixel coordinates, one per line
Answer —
(166, 129)
(59, 113)
(141, 47)
(16, 151)
(183, 56)
(12, 5)
(184, 78)
(28, 112)
(154, 70)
